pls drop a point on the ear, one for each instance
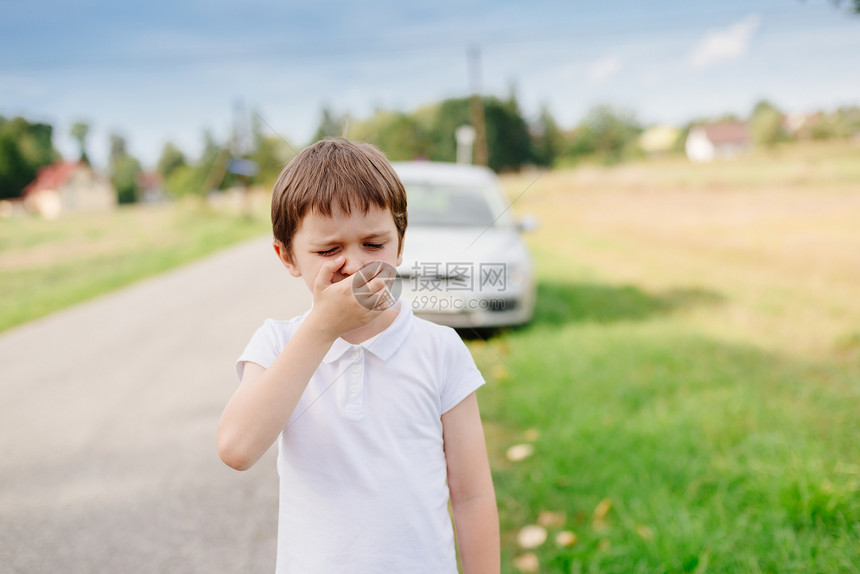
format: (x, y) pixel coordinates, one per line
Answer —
(285, 258)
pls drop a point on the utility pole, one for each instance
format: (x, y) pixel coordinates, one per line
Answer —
(476, 105)
(241, 144)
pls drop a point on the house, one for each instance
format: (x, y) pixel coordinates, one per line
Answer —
(150, 186)
(68, 187)
(707, 142)
(801, 125)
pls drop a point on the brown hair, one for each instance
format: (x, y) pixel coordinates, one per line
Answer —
(355, 175)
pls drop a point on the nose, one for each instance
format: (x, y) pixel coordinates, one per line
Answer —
(355, 260)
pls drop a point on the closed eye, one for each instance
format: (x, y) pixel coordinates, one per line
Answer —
(327, 251)
(374, 245)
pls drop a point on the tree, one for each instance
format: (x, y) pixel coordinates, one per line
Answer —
(208, 173)
(124, 170)
(508, 139)
(766, 124)
(404, 136)
(211, 169)
(118, 146)
(509, 142)
(446, 118)
(271, 153)
(605, 133)
(183, 180)
(79, 131)
(399, 135)
(24, 148)
(840, 123)
(854, 5)
(547, 139)
(171, 159)
(330, 125)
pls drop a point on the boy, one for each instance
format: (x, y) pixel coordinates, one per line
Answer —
(374, 410)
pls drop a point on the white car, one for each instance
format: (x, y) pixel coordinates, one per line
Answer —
(464, 263)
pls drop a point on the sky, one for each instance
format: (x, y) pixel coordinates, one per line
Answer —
(161, 71)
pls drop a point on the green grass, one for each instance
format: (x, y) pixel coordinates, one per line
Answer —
(720, 451)
(735, 459)
(660, 376)
(46, 266)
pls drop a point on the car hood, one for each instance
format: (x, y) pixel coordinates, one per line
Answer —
(428, 245)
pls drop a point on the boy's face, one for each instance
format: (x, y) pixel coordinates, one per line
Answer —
(359, 237)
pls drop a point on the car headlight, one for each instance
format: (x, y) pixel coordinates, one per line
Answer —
(517, 276)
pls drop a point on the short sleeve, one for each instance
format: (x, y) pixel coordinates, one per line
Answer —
(263, 348)
(461, 376)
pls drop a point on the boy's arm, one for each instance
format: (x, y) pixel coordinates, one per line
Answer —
(266, 398)
(473, 499)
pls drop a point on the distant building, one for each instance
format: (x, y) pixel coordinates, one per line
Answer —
(801, 125)
(151, 187)
(659, 139)
(707, 142)
(68, 187)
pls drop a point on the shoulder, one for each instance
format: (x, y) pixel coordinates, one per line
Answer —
(274, 333)
(443, 342)
(285, 326)
(267, 342)
(456, 373)
(280, 329)
(428, 331)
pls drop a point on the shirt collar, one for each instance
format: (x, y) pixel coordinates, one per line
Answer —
(383, 344)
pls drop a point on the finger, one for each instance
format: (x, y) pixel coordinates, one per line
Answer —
(380, 293)
(368, 272)
(383, 300)
(364, 293)
(326, 273)
(374, 295)
(375, 286)
(373, 270)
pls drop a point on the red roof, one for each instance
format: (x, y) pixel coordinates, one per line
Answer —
(149, 179)
(727, 133)
(52, 176)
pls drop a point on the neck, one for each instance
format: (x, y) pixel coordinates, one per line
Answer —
(376, 326)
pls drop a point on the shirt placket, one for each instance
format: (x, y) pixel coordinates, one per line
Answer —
(354, 405)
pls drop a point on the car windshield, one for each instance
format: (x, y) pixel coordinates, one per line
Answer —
(448, 205)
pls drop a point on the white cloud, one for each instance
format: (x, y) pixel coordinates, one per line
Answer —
(600, 70)
(724, 44)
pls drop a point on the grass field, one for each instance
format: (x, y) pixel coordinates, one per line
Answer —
(48, 265)
(691, 382)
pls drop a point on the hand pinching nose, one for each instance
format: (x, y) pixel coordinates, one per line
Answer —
(380, 300)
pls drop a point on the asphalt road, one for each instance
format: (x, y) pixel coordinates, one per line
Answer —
(108, 413)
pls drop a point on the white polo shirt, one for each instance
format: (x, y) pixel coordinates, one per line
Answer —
(361, 462)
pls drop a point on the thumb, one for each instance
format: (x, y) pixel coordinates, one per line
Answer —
(327, 271)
